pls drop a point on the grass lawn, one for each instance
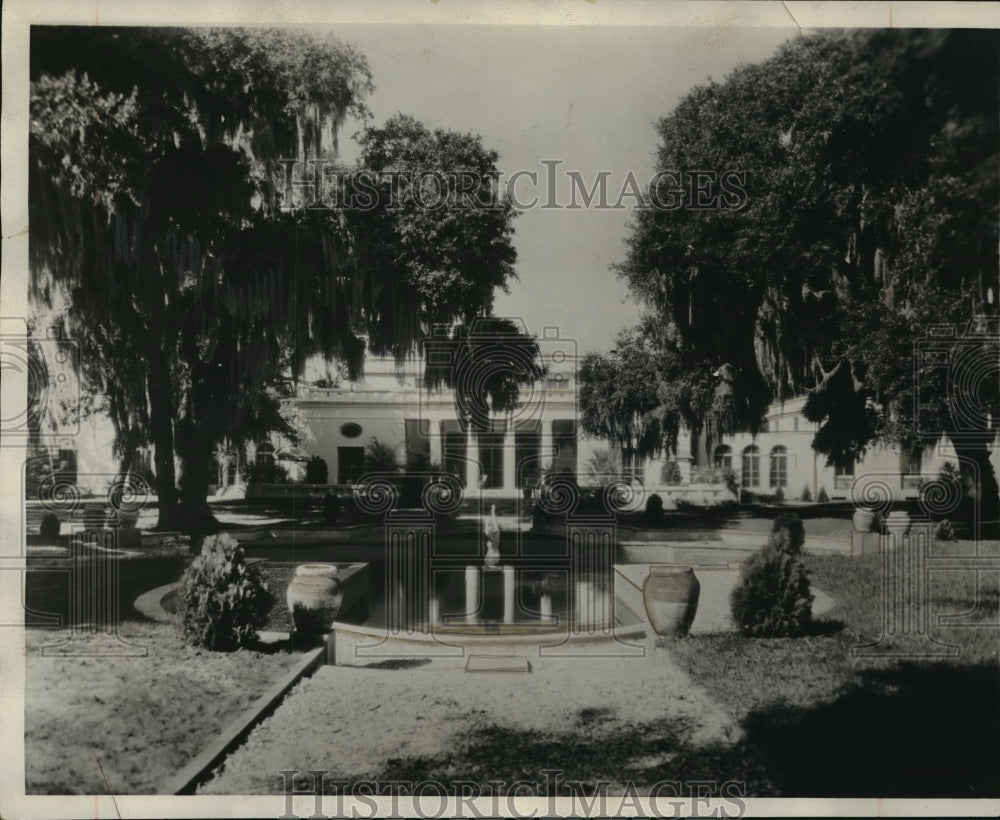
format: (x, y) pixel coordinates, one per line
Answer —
(125, 725)
(831, 725)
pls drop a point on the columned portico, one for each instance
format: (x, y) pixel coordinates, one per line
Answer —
(509, 462)
(434, 437)
(472, 464)
(547, 448)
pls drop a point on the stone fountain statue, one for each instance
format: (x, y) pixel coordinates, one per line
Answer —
(492, 531)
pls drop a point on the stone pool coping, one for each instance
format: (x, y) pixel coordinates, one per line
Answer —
(361, 645)
(150, 603)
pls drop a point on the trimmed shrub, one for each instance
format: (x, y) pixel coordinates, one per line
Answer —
(772, 598)
(538, 517)
(223, 601)
(380, 457)
(806, 494)
(945, 531)
(788, 534)
(316, 471)
(267, 472)
(654, 509)
(822, 497)
(332, 506)
(779, 496)
(50, 525)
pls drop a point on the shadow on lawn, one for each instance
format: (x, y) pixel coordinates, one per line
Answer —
(641, 755)
(47, 589)
(909, 731)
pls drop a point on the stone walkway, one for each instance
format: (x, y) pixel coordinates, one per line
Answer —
(360, 722)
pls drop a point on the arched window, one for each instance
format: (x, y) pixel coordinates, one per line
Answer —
(723, 458)
(751, 467)
(671, 473)
(779, 466)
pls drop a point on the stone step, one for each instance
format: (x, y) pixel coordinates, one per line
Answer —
(497, 663)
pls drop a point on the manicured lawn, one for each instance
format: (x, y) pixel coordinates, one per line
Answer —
(832, 725)
(827, 526)
(126, 725)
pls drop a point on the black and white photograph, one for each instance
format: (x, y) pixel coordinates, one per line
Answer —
(423, 409)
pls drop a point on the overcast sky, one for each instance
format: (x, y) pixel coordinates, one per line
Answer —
(588, 96)
(585, 95)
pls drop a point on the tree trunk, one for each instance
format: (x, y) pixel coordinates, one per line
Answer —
(161, 416)
(196, 468)
(195, 445)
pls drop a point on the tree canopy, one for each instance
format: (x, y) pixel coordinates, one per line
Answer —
(640, 393)
(157, 217)
(871, 217)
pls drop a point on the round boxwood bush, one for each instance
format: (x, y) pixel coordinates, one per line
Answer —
(49, 526)
(332, 505)
(316, 471)
(223, 600)
(654, 509)
(772, 598)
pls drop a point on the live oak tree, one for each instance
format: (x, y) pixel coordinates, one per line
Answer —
(639, 395)
(870, 162)
(149, 189)
(155, 207)
(442, 229)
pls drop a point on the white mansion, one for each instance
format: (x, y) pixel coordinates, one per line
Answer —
(394, 406)
(338, 419)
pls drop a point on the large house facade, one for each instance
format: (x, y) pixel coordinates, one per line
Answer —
(338, 419)
(393, 405)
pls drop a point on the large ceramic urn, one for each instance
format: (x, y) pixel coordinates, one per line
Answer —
(314, 597)
(863, 519)
(127, 516)
(670, 594)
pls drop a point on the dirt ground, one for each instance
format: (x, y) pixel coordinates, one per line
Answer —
(633, 718)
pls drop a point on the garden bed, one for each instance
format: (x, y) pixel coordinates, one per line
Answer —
(832, 725)
(127, 724)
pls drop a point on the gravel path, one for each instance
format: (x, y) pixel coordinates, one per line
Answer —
(360, 723)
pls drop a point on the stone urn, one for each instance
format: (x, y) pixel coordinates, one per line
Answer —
(314, 597)
(863, 520)
(670, 594)
(127, 516)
